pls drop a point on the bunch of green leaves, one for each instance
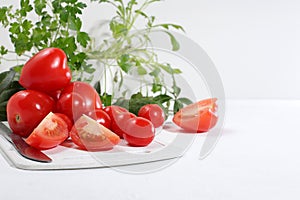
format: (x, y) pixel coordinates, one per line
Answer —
(38, 24)
(128, 51)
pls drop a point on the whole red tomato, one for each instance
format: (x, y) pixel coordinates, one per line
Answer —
(46, 71)
(26, 109)
(119, 117)
(154, 113)
(139, 132)
(78, 98)
(197, 117)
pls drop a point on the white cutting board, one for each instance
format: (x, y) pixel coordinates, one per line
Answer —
(167, 145)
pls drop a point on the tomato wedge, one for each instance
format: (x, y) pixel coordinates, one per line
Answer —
(51, 132)
(197, 117)
(88, 134)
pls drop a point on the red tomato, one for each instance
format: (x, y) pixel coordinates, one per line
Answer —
(90, 135)
(46, 71)
(51, 132)
(101, 117)
(139, 132)
(78, 98)
(110, 110)
(26, 109)
(66, 119)
(198, 117)
(154, 113)
(55, 94)
(119, 117)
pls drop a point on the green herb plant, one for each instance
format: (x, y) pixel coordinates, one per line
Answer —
(38, 24)
(128, 51)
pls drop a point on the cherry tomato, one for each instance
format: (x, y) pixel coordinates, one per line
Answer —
(90, 135)
(26, 109)
(51, 132)
(46, 71)
(78, 98)
(119, 117)
(198, 117)
(154, 113)
(139, 132)
(101, 117)
(110, 110)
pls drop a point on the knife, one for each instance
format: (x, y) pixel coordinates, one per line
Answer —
(22, 147)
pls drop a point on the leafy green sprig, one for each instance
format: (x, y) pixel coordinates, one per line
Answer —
(128, 51)
(38, 24)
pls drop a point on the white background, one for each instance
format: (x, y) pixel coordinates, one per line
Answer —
(253, 43)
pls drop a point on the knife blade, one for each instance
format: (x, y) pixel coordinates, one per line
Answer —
(22, 147)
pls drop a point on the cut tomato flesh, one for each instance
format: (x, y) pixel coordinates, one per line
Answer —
(88, 134)
(197, 117)
(51, 132)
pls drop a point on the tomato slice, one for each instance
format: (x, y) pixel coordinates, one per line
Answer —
(51, 132)
(88, 134)
(198, 117)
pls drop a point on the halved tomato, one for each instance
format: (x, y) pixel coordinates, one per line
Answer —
(197, 117)
(88, 134)
(51, 132)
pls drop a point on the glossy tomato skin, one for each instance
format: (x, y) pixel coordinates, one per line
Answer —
(26, 109)
(198, 117)
(52, 131)
(78, 98)
(110, 110)
(88, 134)
(101, 117)
(139, 132)
(46, 71)
(119, 117)
(154, 113)
(66, 119)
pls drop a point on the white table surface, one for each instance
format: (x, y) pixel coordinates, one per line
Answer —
(257, 157)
